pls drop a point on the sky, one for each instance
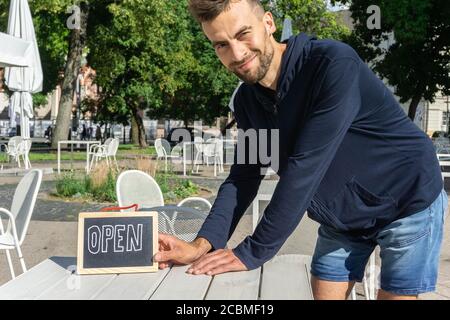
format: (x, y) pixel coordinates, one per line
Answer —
(336, 7)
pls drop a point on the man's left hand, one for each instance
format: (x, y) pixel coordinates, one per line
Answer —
(219, 261)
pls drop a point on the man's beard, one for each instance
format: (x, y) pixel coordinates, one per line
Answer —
(264, 63)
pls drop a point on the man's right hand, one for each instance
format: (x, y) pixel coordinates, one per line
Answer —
(176, 251)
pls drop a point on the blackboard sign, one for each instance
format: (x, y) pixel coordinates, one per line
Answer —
(117, 242)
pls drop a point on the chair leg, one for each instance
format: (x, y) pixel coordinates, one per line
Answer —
(115, 161)
(166, 164)
(366, 288)
(196, 160)
(353, 293)
(11, 268)
(22, 261)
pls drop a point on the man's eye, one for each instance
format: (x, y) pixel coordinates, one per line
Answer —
(220, 46)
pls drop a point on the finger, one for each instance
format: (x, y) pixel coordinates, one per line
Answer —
(163, 256)
(220, 269)
(200, 263)
(224, 260)
(164, 237)
(236, 265)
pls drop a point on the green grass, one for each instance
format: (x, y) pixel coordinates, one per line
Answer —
(124, 150)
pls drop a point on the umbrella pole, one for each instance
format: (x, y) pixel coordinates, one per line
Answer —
(24, 132)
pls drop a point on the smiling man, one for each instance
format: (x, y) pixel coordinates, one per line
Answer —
(348, 155)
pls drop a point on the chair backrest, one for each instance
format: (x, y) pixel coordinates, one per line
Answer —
(112, 147)
(24, 146)
(138, 187)
(166, 145)
(198, 203)
(161, 147)
(13, 143)
(24, 200)
(198, 143)
(213, 147)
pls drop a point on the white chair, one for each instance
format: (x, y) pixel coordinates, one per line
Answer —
(138, 187)
(197, 203)
(23, 150)
(198, 144)
(12, 149)
(19, 216)
(213, 148)
(163, 151)
(106, 151)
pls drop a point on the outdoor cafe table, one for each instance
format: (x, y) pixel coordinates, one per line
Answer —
(285, 277)
(72, 142)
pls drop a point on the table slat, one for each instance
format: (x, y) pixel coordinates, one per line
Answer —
(78, 287)
(178, 285)
(135, 286)
(287, 277)
(235, 286)
(30, 284)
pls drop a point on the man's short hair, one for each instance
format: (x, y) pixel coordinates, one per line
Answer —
(207, 10)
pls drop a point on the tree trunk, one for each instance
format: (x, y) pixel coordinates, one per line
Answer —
(73, 64)
(413, 106)
(137, 129)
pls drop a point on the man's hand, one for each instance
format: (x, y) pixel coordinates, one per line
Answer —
(176, 251)
(216, 262)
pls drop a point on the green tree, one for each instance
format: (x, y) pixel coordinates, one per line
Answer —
(310, 16)
(208, 87)
(152, 57)
(140, 51)
(417, 64)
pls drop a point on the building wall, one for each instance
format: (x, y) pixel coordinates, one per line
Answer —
(436, 114)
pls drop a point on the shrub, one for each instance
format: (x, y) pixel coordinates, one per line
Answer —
(68, 185)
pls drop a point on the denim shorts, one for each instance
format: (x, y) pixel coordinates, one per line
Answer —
(409, 251)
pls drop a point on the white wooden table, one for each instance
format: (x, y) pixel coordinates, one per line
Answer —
(285, 277)
(72, 142)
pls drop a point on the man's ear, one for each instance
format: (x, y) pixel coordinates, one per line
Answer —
(269, 23)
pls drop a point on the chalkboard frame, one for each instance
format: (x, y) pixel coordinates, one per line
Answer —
(131, 269)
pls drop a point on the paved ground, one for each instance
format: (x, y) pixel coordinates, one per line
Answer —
(53, 231)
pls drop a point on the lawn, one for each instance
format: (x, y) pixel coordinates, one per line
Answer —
(124, 151)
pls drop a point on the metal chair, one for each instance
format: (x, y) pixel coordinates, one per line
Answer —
(106, 151)
(12, 149)
(213, 148)
(138, 187)
(19, 216)
(182, 222)
(198, 144)
(198, 203)
(23, 150)
(163, 151)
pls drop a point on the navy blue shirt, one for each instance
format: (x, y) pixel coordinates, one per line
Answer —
(349, 155)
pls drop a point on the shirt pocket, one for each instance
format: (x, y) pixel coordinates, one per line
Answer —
(357, 208)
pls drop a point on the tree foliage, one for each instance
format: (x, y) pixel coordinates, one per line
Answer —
(417, 65)
(152, 56)
(310, 16)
